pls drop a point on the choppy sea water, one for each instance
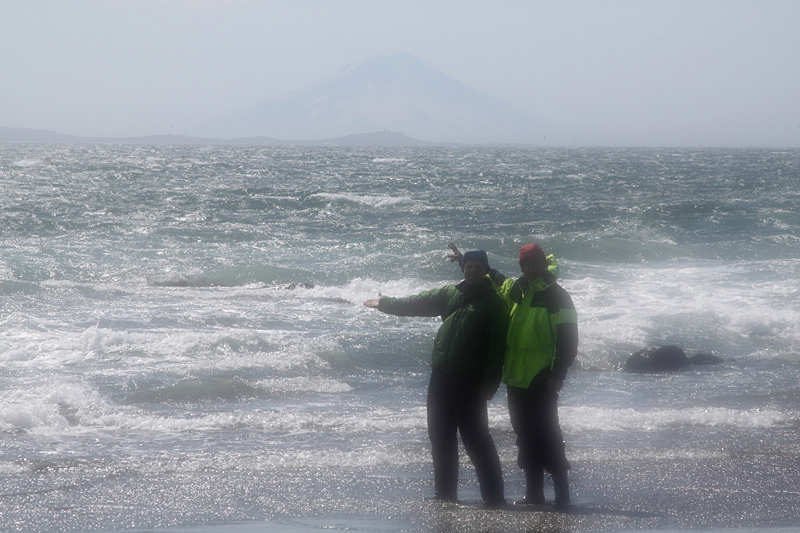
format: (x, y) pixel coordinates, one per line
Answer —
(183, 343)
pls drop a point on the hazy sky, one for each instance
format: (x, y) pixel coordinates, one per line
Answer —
(638, 72)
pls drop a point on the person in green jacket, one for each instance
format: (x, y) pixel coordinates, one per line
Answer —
(542, 343)
(466, 363)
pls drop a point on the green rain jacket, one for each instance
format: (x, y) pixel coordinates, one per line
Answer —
(471, 341)
(543, 328)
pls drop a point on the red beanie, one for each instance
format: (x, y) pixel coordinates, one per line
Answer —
(533, 251)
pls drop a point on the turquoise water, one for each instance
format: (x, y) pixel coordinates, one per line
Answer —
(183, 342)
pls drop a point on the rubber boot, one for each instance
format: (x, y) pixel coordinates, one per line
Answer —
(535, 492)
(561, 486)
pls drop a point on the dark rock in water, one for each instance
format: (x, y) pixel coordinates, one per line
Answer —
(666, 359)
(705, 359)
(657, 359)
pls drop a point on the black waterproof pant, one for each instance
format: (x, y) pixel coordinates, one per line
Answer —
(534, 417)
(454, 405)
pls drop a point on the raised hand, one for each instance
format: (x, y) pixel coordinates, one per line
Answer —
(456, 256)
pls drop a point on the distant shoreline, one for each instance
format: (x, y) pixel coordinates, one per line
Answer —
(374, 139)
(380, 138)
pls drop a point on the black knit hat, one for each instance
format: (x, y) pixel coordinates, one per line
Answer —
(475, 255)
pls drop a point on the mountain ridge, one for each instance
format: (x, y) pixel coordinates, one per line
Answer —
(386, 93)
(394, 100)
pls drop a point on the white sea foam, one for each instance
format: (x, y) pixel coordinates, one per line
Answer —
(389, 160)
(368, 200)
(368, 455)
(304, 384)
(27, 163)
(360, 289)
(643, 454)
(74, 408)
(714, 307)
(586, 418)
(131, 351)
(50, 408)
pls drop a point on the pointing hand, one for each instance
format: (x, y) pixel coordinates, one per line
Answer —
(373, 302)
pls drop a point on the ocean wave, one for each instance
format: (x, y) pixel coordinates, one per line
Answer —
(27, 163)
(263, 456)
(215, 389)
(77, 409)
(190, 278)
(580, 419)
(119, 352)
(731, 309)
(358, 290)
(368, 200)
(643, 454)
(303, 385)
